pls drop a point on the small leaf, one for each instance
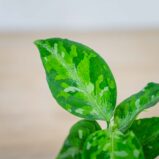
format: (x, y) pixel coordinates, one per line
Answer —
(79, 78)
(105, 144)
(147, 131)
(127, 111)
(72, 148)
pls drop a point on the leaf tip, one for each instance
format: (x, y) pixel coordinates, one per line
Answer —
(40, 44)
(37, 42)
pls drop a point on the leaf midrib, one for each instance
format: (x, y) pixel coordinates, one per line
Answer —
(150, 138)
(112, 145)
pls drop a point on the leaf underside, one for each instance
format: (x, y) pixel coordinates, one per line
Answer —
(147, 131)
(127, 111)
(112, 145)
(79, 78)
(72, 148)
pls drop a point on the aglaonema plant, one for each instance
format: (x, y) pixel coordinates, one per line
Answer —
(83, 84)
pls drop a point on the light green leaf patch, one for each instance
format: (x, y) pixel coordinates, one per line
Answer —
(147, 131)
(78, 78)
(73, 145)
(105, 144)
(127, 111)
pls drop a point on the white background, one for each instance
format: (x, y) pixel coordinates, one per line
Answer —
(78, 14)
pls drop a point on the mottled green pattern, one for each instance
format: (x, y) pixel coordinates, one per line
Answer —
(105, 144)
(147, 131)
(127, 111)
(72, 148)
(79, 78)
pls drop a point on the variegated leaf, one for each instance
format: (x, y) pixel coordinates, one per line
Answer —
(147, 131)
(79, 78)
(72, 148)
(127, 111)
(105, 144)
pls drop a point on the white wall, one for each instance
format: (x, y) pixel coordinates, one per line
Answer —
(78, 14)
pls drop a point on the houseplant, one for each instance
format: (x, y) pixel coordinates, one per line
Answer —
(83, 84)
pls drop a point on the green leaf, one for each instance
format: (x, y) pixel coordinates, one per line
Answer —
(112, 145)
(147, 131)
(72, 148)
(79, 78)
(127, 111)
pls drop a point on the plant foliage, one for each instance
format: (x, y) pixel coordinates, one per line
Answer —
(83, 84)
